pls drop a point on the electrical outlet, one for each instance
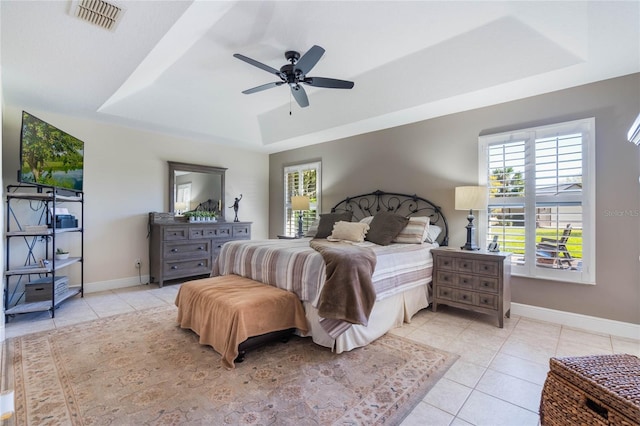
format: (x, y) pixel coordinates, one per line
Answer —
(137, 263)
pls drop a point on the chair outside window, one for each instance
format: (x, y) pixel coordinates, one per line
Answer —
(553, 252)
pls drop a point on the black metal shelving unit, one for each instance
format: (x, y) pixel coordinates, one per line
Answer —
(33, 271)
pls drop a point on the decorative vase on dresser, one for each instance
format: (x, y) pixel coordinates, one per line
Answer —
(181, 249)
(478, 281)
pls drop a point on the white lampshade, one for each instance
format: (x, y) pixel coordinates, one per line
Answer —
(180, 206)
(471, 197)
(299, 202)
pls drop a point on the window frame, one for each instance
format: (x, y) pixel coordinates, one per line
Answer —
(300, 168)
(586, 127)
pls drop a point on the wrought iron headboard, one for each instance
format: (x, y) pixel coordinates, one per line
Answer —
(402, 204)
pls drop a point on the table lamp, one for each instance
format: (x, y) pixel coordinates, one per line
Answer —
(299, 203)
(180, 207)
(471, 198)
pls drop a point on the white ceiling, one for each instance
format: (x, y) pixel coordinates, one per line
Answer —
(168, 66)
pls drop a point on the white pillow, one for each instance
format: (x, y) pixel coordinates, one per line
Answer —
(367, 220)
(415, 232)
(348, 231)
(432, 234)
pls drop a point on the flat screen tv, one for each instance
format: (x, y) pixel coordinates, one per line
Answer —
(49, 156)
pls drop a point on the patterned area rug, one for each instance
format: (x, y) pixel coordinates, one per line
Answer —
(140, 368)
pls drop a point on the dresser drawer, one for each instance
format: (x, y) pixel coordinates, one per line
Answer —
(487, 284)
(213, 232)
(445, 263)
(182, 250)
(241, 232)
(486, 267)
(181, 268)
(175, 233)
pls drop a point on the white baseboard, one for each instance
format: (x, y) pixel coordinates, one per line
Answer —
(95, 287)
(595, 324)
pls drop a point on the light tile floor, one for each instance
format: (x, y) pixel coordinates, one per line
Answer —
(497, 380)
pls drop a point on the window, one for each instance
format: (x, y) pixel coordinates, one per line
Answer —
(542, 199)
(301, 179)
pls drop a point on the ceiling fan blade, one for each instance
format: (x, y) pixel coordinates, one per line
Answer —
(330, 83)
(300, 96)
(309, 59)
(262, 87)
(255, 63)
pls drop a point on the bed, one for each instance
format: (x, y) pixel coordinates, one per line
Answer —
(401, 277)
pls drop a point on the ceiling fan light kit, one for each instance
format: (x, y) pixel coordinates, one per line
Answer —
(294, 73)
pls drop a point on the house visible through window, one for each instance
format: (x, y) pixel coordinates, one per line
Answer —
(301, 179)
(541, 199)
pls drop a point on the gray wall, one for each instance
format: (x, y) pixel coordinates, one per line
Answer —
(432, 157)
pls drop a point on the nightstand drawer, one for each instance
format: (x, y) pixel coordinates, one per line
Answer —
(446, 293)
(486, 267)
(489, 301)
(464, 296)
(466, 281)
(445, 278)
(491, 285)
(445, 263)
(464, 265)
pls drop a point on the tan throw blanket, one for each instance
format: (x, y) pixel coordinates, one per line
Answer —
(225, 311)
(348, 293)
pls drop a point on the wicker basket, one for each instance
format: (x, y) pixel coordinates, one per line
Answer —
(592, 390)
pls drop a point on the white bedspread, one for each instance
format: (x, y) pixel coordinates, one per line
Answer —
(294, 266)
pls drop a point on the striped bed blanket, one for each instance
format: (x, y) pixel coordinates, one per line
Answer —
(294, 266)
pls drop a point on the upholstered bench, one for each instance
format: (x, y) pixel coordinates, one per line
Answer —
(226, 311)
(592, 390)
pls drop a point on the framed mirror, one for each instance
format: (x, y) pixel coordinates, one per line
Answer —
(196, 187)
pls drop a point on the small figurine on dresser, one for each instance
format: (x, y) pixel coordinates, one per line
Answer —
(236, 205)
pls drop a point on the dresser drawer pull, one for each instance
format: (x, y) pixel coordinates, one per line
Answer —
(446, 263)
(200, 264)
(445, 278)
(485, 301)
(464, 297)
(485, 284)
(174, 267)
(200, 248)
(486, 268)
(174, 250)
(219, 245)
(464, 281)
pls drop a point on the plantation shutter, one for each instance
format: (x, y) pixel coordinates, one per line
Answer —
(541, 199)
(302, 179)
(506, 209)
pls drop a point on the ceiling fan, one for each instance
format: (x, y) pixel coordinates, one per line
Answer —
(295, 72)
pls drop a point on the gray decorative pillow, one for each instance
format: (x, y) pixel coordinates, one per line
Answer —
(385, 227)
(327, 220)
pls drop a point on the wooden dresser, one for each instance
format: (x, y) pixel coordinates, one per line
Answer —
(478, 281)
(183, 249)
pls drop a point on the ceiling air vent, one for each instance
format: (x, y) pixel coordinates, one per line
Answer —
(98, 12)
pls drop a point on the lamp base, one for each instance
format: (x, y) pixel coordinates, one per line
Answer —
(300, 233)
(471, 237)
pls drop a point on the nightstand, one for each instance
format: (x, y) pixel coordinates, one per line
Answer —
(477, 281)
